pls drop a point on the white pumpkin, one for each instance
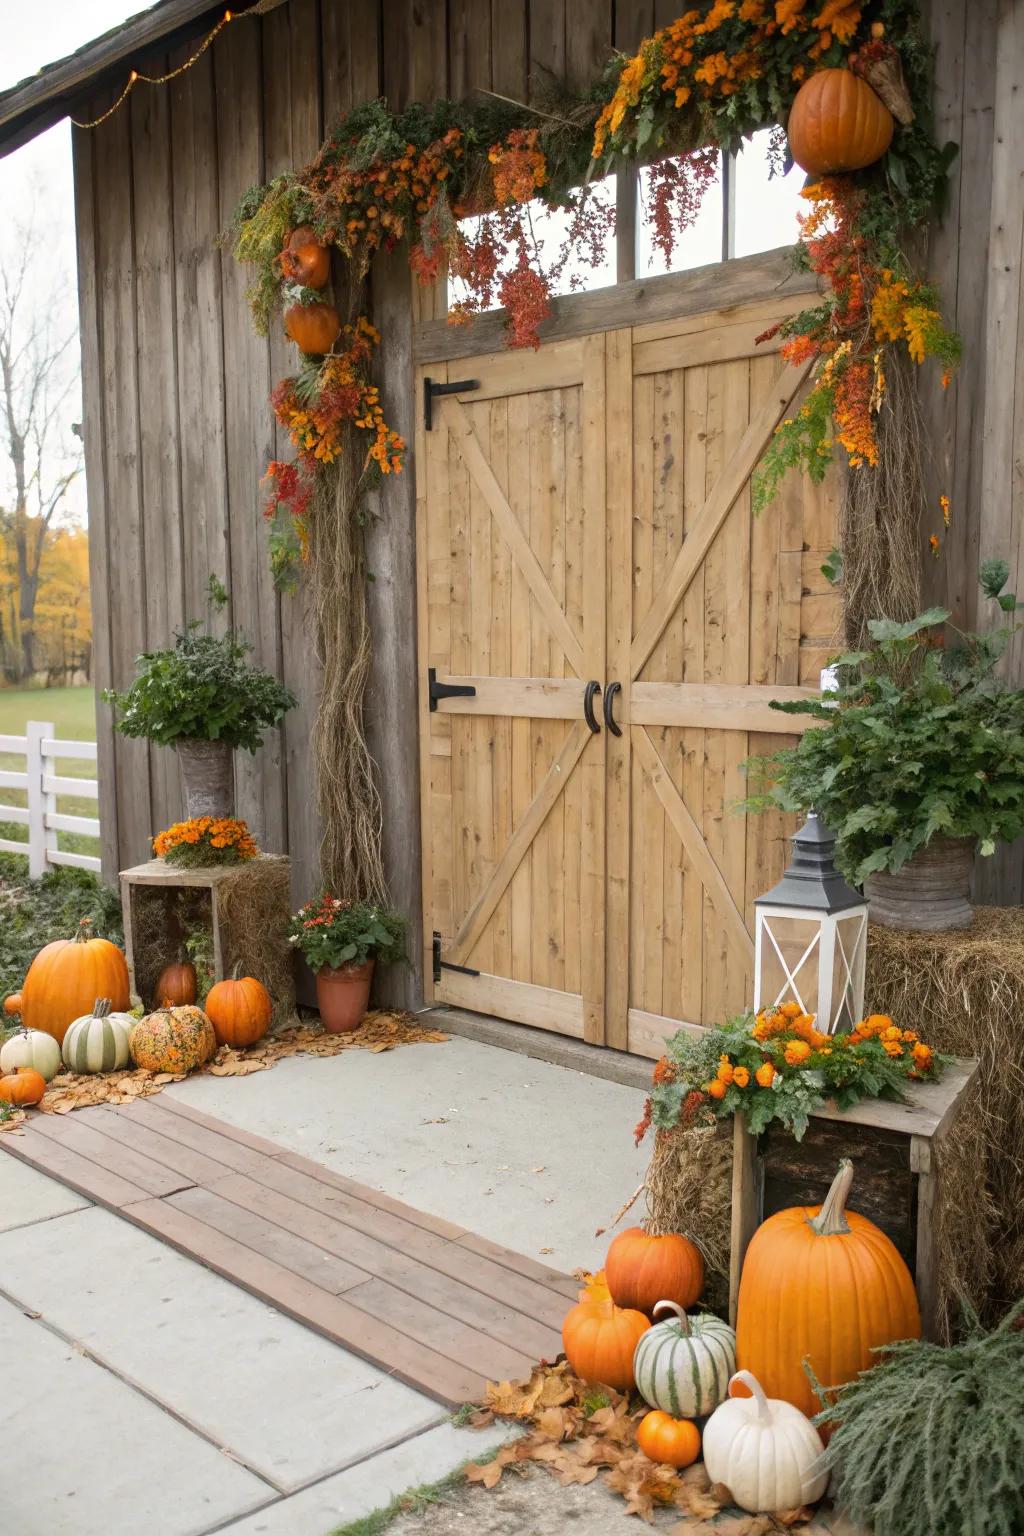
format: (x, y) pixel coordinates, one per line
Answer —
(31, 1048)
(98, 1042)
(765, 1451)
(683, 1365)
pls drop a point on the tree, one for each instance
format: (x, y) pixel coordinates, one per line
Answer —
(37, 378)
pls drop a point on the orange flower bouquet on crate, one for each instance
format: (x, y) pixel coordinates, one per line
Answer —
(778, 1066)
(205, 840)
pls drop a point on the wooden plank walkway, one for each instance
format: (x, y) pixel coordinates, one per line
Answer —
(438, 1307)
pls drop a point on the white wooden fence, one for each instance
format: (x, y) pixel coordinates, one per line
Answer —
(43, 783)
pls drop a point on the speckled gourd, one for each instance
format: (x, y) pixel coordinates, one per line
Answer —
(175, 1039)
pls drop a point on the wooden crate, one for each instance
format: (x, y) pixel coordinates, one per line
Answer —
(155, 894)
(895, 1152)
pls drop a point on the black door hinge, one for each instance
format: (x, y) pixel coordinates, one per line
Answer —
(431, 388)
(438, 690)
(445, 965)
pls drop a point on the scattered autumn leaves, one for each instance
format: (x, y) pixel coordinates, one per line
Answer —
(381, 1030)
(579, 1433)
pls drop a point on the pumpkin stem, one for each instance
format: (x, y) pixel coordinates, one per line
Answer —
(831, 1219)
(756, 1391)
(101, 1007)
(237, 967)
(83, 933)
(684, 1321)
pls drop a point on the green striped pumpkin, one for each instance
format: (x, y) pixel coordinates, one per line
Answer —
(683, 1365)
(98, 1042)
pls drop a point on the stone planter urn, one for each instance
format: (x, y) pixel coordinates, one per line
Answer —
(207, 777)
(930, 893)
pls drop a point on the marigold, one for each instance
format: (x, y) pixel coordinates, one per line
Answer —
(765, 1074)
(716, 1089)
(796, 1052)
(741, 1077)
(725, 1070)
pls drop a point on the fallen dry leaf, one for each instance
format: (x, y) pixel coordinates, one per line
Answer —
(489, 1474)
(13, 1121)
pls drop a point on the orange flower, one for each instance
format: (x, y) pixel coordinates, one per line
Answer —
(725, 1070)
(922, 1054)
(741, 1077)
(892, 1048)
(717, 1089)
(765, 1074)
(791, 1010)
(796, 1052)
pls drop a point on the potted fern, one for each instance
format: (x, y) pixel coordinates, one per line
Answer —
(918, 764)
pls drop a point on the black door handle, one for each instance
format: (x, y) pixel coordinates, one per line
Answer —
(589, 693)
(609, 700)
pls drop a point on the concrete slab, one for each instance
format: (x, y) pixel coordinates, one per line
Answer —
(88, 1456)
(350, 1495)
(527, 1153)
(287, 1403)
(27, 1195)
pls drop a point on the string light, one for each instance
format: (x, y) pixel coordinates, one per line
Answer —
(136, 75)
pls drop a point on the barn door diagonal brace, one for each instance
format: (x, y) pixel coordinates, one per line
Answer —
(446, 965)
(432, 388)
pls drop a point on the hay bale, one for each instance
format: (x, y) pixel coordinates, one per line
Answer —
(689, 1189)
(964, 991)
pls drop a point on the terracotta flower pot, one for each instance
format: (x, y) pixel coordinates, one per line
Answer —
(930, 893)
(207, 777)
(342, 996)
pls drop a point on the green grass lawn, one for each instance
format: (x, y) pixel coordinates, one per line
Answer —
(73, 713)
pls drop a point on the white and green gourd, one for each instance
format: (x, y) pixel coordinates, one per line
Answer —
(98, 1042)
(31, 1048)
(683, 1365)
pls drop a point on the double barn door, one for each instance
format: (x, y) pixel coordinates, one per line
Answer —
(615, 620)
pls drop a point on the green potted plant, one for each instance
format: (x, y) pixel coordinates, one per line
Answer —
(203, 698)
(341, 941)
(921, 764)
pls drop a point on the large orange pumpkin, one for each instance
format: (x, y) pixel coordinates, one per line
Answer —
(177, 983)
(825, 1283)
(66, 978)
(599, 1340)
(172, 1040)
(642, 1270)
(239, 1010)
(837, 123)
(304, 260)
(675, 1442)
(22, 1086)
(314, 328)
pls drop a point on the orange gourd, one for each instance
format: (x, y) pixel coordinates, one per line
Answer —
(22, 1086)
(12, 1005)
(676, 1442)
(314, 328)
(66, 978)
(825, 1283)
(642, 1270)
(172, 1039)
(599, 1339)
(837, 123)
(177, 983)
(239, 1010)
(304, 260)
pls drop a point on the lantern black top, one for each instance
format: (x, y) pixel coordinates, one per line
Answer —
(812, 880)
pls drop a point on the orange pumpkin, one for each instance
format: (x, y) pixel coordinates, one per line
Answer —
(599, 1339)
(676, 1442)
(66, 978)
(239, 1010)
(821, 1282)
(314, 328)
(642, 1270)
(177, 983)
(304, 260)
(837, 123)
(22, 1086)
(172, 1039)
(12, 1005)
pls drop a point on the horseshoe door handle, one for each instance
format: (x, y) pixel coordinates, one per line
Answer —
(590, 692)
(609, 701)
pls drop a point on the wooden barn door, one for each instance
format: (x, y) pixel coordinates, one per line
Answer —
(585, 514)
(511, 561)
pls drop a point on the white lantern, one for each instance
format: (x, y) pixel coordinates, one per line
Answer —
(811, 937)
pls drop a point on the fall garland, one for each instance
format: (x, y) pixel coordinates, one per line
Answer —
(456, 182)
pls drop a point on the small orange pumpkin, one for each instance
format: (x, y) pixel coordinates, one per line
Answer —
(177, 983)
(314, 328)
(22, 1086)
(837, 123)
(66, 978)
(676, 1442)
(599, 1340)
(304, 260)
(239, 1010)
(642, 1270)
(12, 1004)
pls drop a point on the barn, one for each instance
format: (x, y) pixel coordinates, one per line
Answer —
(572, 547)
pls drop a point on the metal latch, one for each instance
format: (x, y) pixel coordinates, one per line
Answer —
(446, 965)
(438, 690)
(431, 387)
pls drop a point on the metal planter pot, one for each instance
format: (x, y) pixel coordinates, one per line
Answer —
(930, 893)
(207, 777)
